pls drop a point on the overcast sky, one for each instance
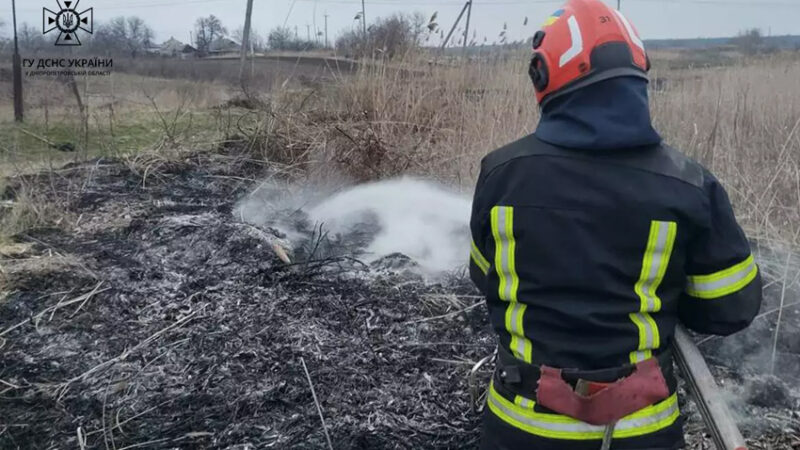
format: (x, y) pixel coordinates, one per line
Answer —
(654, 18)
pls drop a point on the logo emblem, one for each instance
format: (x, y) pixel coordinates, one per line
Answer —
(68, 21)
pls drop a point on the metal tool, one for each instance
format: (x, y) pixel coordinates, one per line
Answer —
(701, 383)
(476, 395)
(582, 388)
(608, 436)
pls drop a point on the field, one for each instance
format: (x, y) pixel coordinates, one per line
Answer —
(169, 283)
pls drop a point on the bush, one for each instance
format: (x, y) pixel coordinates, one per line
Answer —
(283, 38)
(387, 37)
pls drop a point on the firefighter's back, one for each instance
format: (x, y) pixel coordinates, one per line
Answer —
(600, 247)
(591, 241)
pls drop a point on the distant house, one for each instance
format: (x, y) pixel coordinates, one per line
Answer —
(152, 49)
(188, 52)
(171, 47)
(224, 46)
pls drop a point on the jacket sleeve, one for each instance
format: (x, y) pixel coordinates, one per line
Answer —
(479, 265)
(723, 289)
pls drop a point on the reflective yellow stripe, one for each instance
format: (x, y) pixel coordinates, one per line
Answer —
(725, 282)
(521, 415)
(654, 265)
(479, 259)
(505, 264)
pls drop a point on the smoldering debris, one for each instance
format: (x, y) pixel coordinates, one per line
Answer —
(418, 219)
(768, 391)
(195, 337)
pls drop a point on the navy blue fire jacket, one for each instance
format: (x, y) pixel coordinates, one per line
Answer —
(592, 239)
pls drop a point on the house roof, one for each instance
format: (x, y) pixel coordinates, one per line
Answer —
(172, 46)
(224, 45)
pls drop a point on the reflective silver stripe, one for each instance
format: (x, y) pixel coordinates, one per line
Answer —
(478, 259)
(654, 265)
(723, 283)
(517, 310)
(506, 284)
(656, 262)
(647, 329)
(505, 249)
(560, 425)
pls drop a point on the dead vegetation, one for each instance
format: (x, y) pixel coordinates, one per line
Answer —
(139, 311)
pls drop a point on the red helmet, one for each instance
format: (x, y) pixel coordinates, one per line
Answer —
(583, 43)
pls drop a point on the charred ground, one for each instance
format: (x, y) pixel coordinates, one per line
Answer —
(157, 319)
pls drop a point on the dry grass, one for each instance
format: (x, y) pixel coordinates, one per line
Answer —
(437, 120)
(741, 121)
(31, 207)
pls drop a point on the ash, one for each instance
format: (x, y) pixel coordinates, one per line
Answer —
(164, 316)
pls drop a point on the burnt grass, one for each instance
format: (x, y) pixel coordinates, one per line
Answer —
(156, 319)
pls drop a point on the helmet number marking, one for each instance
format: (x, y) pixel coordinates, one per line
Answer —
(634, 38)
(605, 19)
(577, 42)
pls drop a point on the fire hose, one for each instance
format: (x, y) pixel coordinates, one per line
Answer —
(702, 386)
(712, 405)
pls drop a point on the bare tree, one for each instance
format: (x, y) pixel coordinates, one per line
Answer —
(386, 37)
(750, 41)
(283, 38)
(129, 35)
(139, 36)
(279, 38)
(256, 40)
(207, 30)
(31, 39)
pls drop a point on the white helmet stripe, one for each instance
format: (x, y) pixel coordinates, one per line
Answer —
(577, 42)
(629, 28)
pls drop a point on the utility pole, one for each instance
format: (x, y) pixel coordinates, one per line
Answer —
(18, 113)
(308, 32)
(619, 5)
(326, 29)
(466, 31)
(245, 39)
(452, 30)
(364, 17)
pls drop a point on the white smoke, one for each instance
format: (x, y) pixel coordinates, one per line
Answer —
(419, 219)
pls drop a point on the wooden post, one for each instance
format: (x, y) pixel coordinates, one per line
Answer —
(18, 106)
(364, 17)
(326, 30)
(245, 39)
(466, 30)
(452, 30)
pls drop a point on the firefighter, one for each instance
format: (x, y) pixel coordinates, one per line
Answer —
(592, 239)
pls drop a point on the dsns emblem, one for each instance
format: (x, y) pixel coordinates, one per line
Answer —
(67, 21)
